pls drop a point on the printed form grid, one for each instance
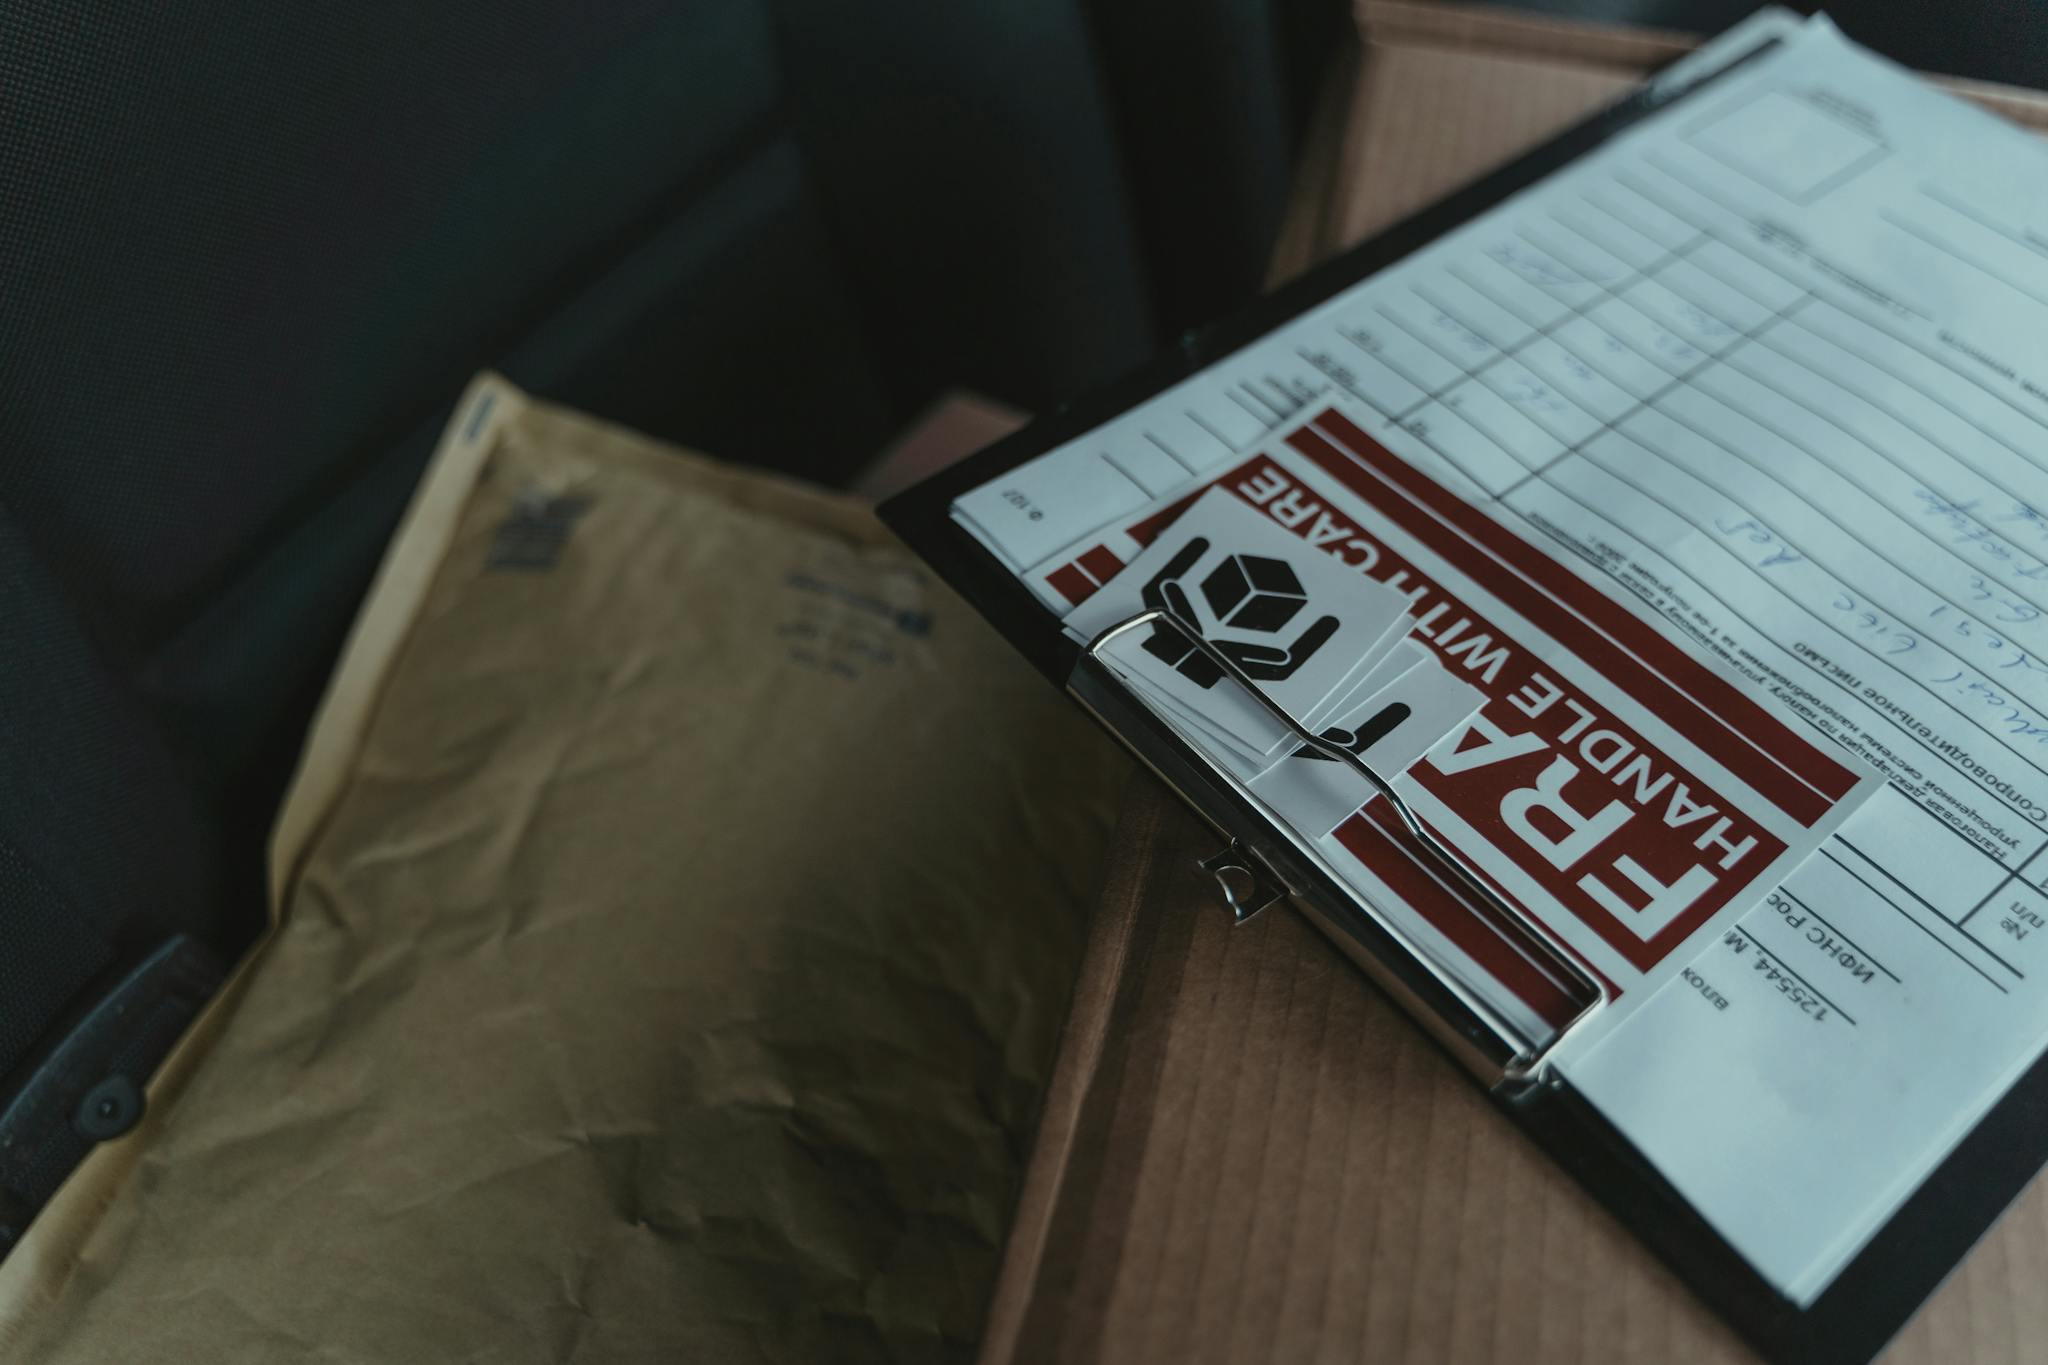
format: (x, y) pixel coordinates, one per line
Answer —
(1679, 309)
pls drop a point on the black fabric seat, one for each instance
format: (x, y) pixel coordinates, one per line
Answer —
(251, 253)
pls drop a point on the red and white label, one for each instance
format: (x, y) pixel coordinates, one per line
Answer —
(1610, 776)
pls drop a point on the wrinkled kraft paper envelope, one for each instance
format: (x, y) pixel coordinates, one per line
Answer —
(680, 898)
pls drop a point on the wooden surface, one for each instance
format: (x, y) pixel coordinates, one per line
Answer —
(1249, 1154)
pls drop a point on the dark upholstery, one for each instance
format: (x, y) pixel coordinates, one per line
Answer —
(250, 252)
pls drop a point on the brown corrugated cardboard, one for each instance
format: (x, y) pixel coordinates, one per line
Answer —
(1248, 1153)
(1449, 91)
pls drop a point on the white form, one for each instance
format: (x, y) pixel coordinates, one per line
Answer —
(1770, 370)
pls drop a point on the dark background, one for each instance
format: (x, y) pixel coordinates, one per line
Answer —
(250, 252)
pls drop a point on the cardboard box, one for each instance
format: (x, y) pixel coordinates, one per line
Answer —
(1248, 1153)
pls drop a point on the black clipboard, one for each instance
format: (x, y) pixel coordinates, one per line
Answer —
(1909, 1256)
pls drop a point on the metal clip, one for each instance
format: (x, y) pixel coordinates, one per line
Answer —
(1248, 884)
(1243, 878)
